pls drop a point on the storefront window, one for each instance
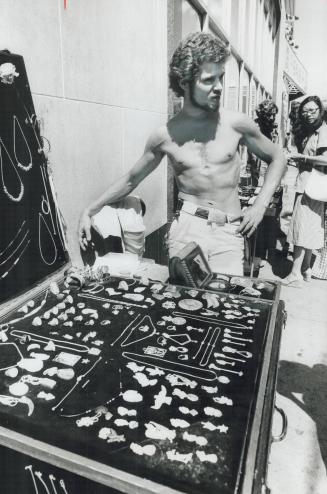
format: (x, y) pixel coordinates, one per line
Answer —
(253, 98)
(245, 91)
(232, 84)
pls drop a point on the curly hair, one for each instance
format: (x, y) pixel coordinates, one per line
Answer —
(301, 129)
(266, 108)
(266, 111)
(195, 49)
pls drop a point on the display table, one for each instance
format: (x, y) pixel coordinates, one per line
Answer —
(129, 386)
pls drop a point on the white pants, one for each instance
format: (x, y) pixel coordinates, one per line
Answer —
(221, 245)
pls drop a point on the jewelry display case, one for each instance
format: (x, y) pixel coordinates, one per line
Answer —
(120, 385)
(136, 386)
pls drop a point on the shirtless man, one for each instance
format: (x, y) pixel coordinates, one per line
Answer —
(201, 142)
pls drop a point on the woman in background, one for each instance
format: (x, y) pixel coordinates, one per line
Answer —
(306, 230)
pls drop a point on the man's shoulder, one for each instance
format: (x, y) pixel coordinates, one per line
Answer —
(158, 137)
(240, 122)
(234, 116)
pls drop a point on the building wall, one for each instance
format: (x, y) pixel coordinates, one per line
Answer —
(250, 71)
(98, 76)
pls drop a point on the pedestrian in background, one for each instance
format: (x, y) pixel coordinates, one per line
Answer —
(268, 230)
(306, 231)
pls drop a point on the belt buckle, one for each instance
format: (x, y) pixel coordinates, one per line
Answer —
(217, 217)
(202, 213)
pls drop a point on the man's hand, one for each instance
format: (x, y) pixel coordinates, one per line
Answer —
(84, 230)
(251, 217)
(295, 156)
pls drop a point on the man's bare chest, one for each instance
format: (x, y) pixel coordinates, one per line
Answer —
(193, 152)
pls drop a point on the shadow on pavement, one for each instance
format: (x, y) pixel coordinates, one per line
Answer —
(311, 383)
(281, 266)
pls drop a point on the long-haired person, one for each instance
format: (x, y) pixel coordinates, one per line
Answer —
(306, 230)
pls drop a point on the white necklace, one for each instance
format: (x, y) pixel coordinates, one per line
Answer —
(56, 207)
(15, 124)
(79, 378)
(106, 403)
(211, 320)
(16, 260)
(21, 192)
(169, 365)
(13, 240)
(24, 336)
(127, 341)
(15, 250)
(49, 263)
(33, 121)
(125, 330)
(208, 351)
(46, 202)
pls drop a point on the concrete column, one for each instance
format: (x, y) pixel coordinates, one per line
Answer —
(279, 65)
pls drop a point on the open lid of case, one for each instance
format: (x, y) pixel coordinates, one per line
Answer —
(189, 267)
(32, 244)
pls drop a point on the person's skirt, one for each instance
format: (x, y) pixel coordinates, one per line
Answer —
(307, 223)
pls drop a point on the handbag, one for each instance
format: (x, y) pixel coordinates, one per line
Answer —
(316, 186)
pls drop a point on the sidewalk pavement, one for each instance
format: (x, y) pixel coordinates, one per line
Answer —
(298, 463)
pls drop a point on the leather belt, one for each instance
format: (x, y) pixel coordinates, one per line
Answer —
(211, 214)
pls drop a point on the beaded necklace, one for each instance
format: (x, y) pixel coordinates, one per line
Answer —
(6, 191)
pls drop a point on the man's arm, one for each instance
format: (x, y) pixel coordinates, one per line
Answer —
(320, 160)
(123, 186)
(262, 147)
